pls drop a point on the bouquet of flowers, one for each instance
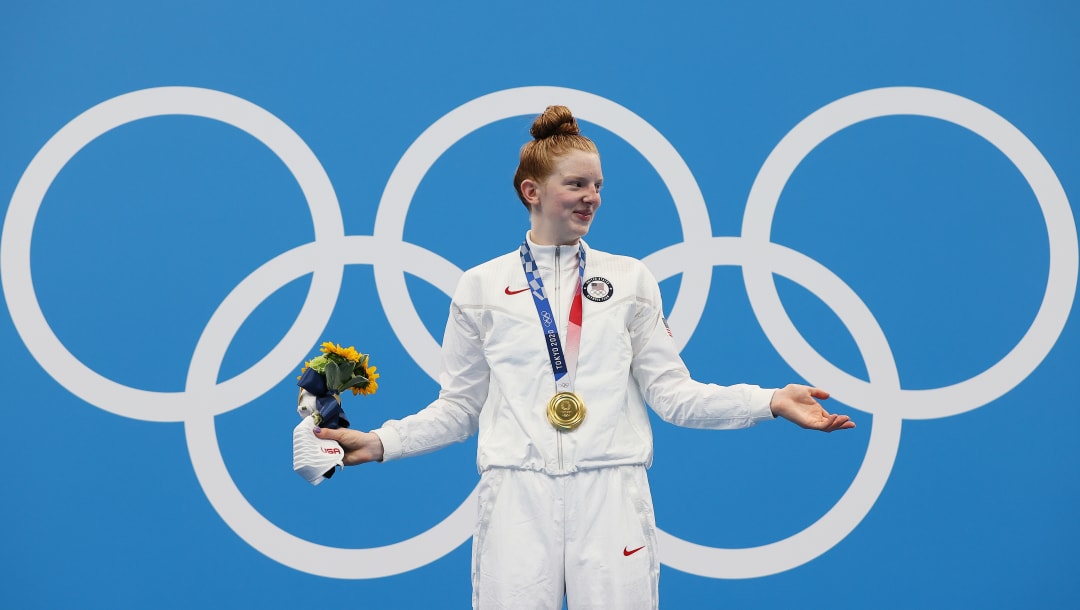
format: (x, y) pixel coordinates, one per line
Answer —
(322, 380)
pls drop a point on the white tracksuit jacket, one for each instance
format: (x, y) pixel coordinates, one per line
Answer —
(497, 376)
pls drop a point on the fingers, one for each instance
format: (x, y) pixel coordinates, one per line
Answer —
(838, 422)
(330, 433)
(360, 447)
(796, 403)
(828, 422)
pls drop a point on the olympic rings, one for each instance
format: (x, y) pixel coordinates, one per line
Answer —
(46, 165)
(1060, 286)
(203, 397)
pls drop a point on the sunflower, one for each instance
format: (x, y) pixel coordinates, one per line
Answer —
(348, 353)
(372, 384)
(343, 368)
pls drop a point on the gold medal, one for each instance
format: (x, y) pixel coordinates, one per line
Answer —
(566, 410)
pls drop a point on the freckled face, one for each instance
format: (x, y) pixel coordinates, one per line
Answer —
(562, 206)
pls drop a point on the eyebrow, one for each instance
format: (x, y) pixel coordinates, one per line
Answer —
(581, 178)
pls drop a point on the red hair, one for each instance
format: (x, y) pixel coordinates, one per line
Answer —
(555, 132)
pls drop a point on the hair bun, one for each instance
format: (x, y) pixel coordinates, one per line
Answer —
(555, 121)
(555, 133)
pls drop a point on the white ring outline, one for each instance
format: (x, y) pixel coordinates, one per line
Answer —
(760, 261)
(430, 145)
(104, 393)
(1039, 340)
(1057, 302)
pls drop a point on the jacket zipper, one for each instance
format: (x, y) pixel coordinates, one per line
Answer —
(558, 316)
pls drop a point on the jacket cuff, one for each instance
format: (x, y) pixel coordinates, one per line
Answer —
(391, 442)
(760, 399)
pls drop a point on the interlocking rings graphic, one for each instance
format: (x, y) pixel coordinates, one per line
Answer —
(203, 397)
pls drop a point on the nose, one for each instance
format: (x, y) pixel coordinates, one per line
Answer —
(592, 195)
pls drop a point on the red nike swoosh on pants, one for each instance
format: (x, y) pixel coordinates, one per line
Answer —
(513, 292)
(627, 553)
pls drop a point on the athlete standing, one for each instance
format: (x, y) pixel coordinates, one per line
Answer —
(551, 354)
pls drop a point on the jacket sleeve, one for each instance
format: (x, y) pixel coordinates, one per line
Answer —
(453, 417)
(665, 381)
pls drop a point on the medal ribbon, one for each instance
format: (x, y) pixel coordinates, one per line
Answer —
(563, 362)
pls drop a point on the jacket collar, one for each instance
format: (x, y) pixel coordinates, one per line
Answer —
(545, 255)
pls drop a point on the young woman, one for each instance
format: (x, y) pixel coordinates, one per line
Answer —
(551, 353)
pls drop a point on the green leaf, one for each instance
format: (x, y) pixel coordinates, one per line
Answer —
(337, 375)
(356, 382)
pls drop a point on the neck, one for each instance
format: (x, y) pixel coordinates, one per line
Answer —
(544, 240)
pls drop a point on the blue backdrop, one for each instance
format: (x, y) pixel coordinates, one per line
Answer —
(872, 198)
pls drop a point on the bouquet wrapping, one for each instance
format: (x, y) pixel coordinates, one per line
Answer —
(322, 380)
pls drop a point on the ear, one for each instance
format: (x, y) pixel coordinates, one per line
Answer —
(530, 190)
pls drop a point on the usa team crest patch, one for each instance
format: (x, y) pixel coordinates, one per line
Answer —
(597, 289)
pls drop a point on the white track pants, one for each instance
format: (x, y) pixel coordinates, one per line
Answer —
(590, 535)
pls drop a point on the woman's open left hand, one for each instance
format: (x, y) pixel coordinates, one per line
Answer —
(796, 403)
